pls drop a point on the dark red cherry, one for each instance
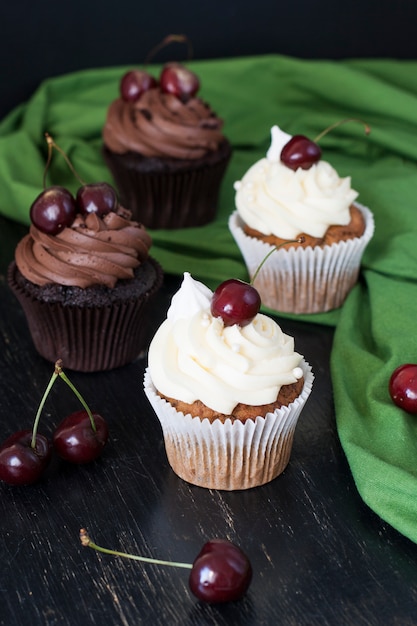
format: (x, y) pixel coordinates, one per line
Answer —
(236, 302)
(76, 441)
(53, 210)
(221, 572)
(403, 387)
(134, 83)
(20, 464)
(97, 198)
(300, 152)
(179, 81)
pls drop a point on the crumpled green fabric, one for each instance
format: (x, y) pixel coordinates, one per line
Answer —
(376, 327)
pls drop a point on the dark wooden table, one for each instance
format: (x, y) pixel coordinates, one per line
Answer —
(319, 555)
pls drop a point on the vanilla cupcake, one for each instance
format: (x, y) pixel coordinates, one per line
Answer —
(274, 204)
(228, 397)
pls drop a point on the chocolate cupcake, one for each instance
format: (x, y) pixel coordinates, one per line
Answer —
(167, 152)
(87, 290)
(228, 396)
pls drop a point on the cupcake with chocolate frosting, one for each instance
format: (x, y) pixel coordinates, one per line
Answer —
(87, 290)
(167, 153)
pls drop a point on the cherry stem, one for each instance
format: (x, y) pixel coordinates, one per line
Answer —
(59, 371)
(41, 405)
(86, 541)
(284, 243)
(339, 123)
(51, 144)
(166, 41)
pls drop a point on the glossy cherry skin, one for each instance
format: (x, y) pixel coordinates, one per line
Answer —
(236, 302)
(221, 572)
(403, 387)
(99, 198)
(53, 210)
(20, 464)
(134, 83)
(179, 81)
(300, 152)
(75, 441)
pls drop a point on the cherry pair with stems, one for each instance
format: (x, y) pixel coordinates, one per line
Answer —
(79, 438)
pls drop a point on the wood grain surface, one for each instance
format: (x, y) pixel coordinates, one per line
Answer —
(319, 555)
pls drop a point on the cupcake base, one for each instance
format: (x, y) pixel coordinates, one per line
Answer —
(225, 455)
(88, 331)
(304, 280)
(169, 193)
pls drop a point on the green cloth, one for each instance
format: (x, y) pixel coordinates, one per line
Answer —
(375, 328)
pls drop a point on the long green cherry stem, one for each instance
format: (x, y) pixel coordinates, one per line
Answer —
(165, 42)
(51, 144)
(284, 243)
(41, 405)
(87, 542)
(60, 372)
(339, 123)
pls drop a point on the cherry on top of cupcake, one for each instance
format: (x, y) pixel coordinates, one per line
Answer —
(175, 78)
(238, 302)
(55, 207)
(302, 152)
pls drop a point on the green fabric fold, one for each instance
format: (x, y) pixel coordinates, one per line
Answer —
(375, 328)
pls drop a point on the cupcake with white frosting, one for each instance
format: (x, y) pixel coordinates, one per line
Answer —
(276, 203)
(228, 397)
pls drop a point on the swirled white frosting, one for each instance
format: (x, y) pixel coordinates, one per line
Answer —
(276, 200)
(193, 356)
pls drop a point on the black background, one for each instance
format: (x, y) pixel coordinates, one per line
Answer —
(48, 38)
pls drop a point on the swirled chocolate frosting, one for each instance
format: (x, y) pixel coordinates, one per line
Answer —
(161, 125)
(92, 251)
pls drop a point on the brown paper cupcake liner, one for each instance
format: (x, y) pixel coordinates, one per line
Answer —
(303, 280)
(229, 455)
(178, 199)
(88, 339)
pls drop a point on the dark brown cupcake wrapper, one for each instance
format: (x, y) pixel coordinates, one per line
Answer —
(175, 199)
(88, 339)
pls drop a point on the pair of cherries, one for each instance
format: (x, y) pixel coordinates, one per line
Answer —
(55, 208)
(175, 79)
(79, 438)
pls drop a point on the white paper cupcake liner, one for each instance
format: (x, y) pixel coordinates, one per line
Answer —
(304, 280)
(229, 455)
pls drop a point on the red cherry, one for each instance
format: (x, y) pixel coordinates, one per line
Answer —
(300, 152)
(220, 573)
(76, 441)
(97, 198)
(20, 464)
(236, 302)
(403, 387)
(179, 81)
(53, 210)
(134, 83)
